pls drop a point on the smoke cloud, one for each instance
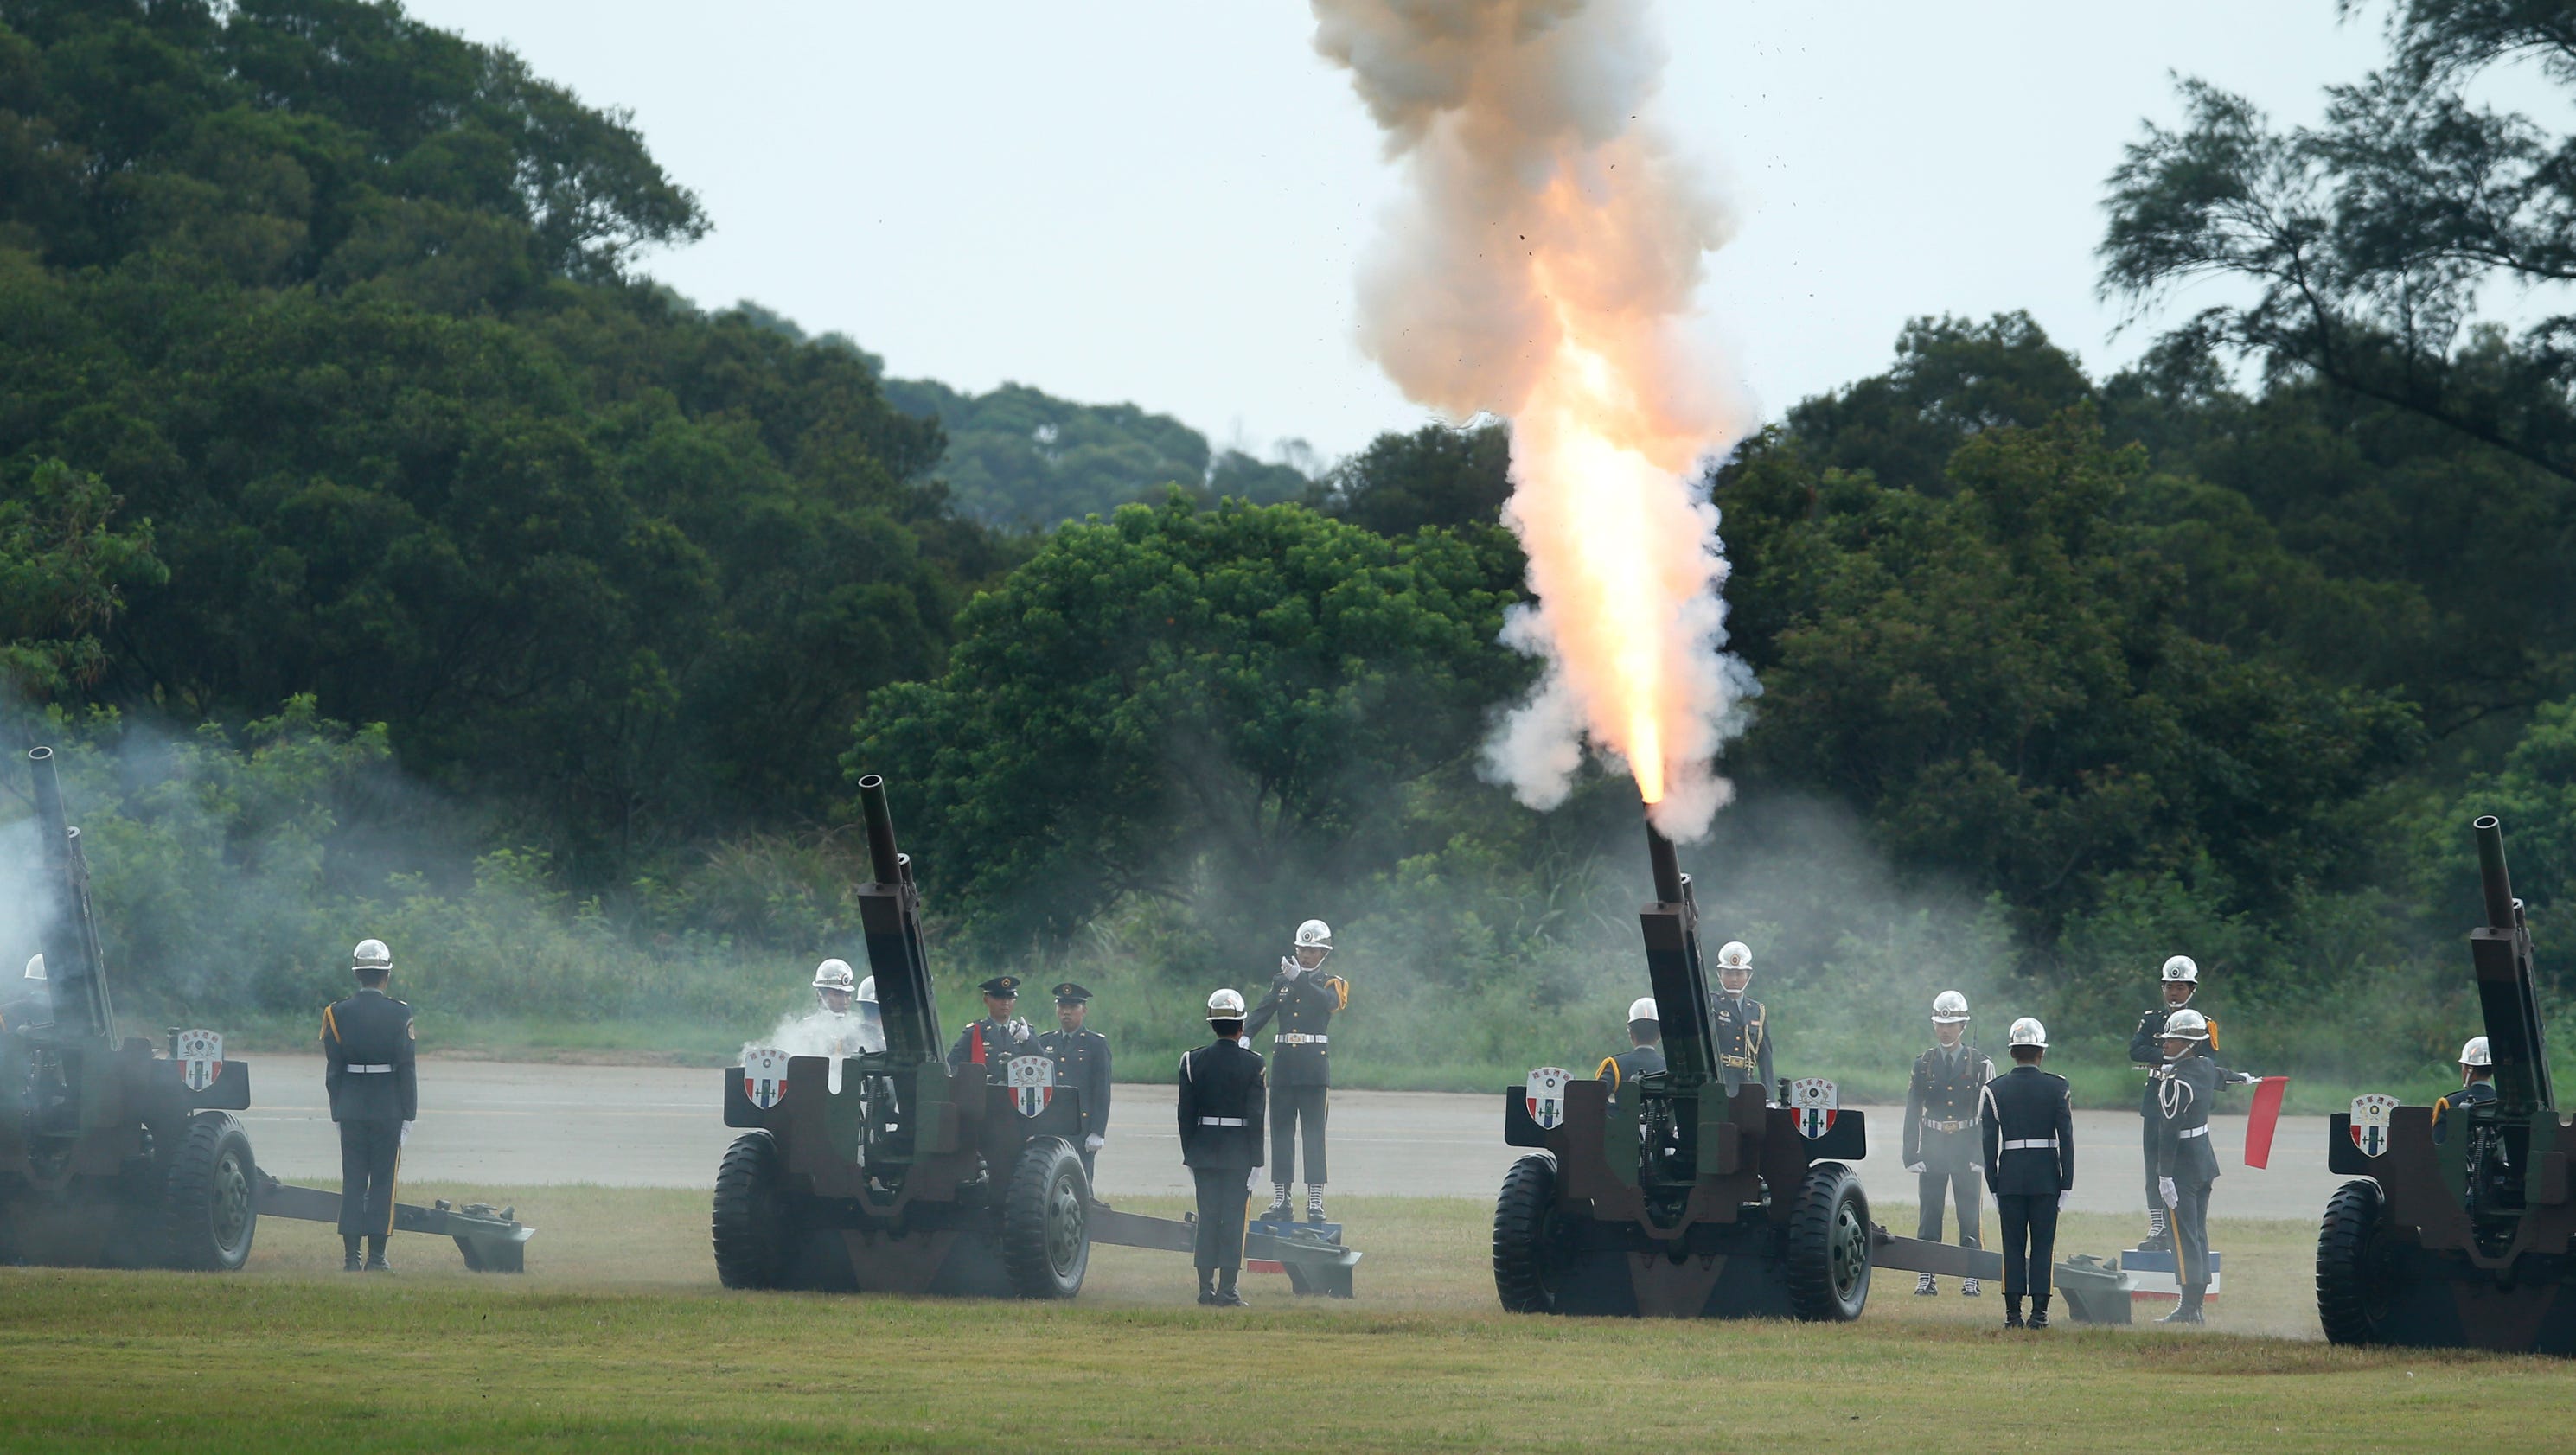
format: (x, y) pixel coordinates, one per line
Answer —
(1542, 267)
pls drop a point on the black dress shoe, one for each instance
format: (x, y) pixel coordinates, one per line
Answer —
(2039, 1317)
(350, 1263)
(377, 1264)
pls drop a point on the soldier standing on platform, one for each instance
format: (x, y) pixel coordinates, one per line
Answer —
(1081, 1062)
(1737, 1022)
(1645, 1053)
(375, 1096)
(1304, 999)
(1220, 1112)
(2180, 979)
(999, 1036)
(2186, 1088)
(2027, 1127)
(2477, 1084)
(1941, 1130)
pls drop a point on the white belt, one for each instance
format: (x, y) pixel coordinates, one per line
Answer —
(1221, 1121)
(2032, 1145)
(363, 1070)
(1301, 1039)
(1931, 1125)
(2199, 1131)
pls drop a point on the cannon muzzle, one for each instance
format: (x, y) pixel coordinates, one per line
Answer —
(1668, 869)
(2504, 912)
(882, 855)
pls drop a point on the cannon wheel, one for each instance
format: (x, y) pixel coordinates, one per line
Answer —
(753, 1237)
(1524, 1224)
(1827, 1253)
(1046, 1222)
(2354, 1285)
(208, 1215)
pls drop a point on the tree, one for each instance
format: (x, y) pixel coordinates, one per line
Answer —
(1171, 693)
(1435, 476)
(64, 571)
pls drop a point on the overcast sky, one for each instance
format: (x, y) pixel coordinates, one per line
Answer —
(1162, 201)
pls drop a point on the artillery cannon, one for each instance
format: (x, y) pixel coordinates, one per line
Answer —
(1686, 1194)
(115, 1155)
(2466, 1242)
(891, 1171)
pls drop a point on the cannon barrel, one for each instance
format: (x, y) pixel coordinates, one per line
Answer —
(2502, 913)
(76, 970)
(1667, 868)
(881, 850)
(889, 914)
(1674, 968)
(2508, 993)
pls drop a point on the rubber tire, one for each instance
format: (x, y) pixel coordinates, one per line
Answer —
(1826, 1251)
(753, 1227)
(1046, 1221)
(1524, 1215)
(2353, 1284)
(210, 1201)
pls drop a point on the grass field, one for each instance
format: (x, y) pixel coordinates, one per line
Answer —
(619, 1339)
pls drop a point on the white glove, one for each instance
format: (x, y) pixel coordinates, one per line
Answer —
(1976, 1166)
(1916, 1167)
(1019, 1030)
(1093, 1142)
(2061, 1200)
(1290, 968)
(1252, 1181)
(2165, 1188)
(404, 1140)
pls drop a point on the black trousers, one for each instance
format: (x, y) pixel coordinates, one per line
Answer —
(1221, 1214)
(1963, 1186)
(2147, 1145)
(2191, 1233)
(369, 1151)
(1088, 1175)
(2030, 1240)
(1290, 1105)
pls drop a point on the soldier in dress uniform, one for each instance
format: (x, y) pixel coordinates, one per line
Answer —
(999, 1036)
(832, 1029)
(2026, 1123)
(1304, 1000)
(1736, 1021)
(1220, 1111)
(1645, 1053)
(2180, 979)
(2477, 1083)
(1941, 1130)
(375, 1097)
(1081, 1062)
(2186, 1088)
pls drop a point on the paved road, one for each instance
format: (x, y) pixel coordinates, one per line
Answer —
(504, 1124)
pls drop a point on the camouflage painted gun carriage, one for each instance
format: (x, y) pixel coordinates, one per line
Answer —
(1685, 1194)
(2469, 1242)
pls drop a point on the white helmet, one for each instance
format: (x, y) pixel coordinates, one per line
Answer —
(1225, 1005)
(2475, 1053)
(1643, 1009)
(2027, 1032)
(1949, 1008)
(35, 967)
(1735, 955)
(2186, 1025)
(834, 975)
(2181, 968)
(371, 955)
(868, 991)
(1314, 934)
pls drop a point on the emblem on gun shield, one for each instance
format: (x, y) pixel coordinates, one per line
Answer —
(1544, 1095)
(764, 1076)
(2370, 1122)
(201, 1058)
(1032, 1082)
(1816, 1102)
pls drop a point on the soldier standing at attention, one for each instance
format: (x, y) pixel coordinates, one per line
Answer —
(1736, 1021)
(375, 1097)
(1305, 1000)
(1645, 1053)
(2027, 1122)
(1081, 1062)
(1220, 1110)
(999, 1036)
(2180, 979)
(2185, 1166)
(2477, 1084)
(1941, 1130)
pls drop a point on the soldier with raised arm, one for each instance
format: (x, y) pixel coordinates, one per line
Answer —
(1304, 1000)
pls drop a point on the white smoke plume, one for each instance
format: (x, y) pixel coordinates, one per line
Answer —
(1542, 267)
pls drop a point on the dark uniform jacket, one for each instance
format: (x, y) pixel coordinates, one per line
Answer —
(2027, 1104)
(1304, 1007)
(2475, 1091)
(1220, 1103)
(2185, 1092)
(1630, 1064)
(1946, 1092)
(990, 1043)
(367, 1059)
(1082, 1062)
(1743, 1036)
(2147, 1048)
